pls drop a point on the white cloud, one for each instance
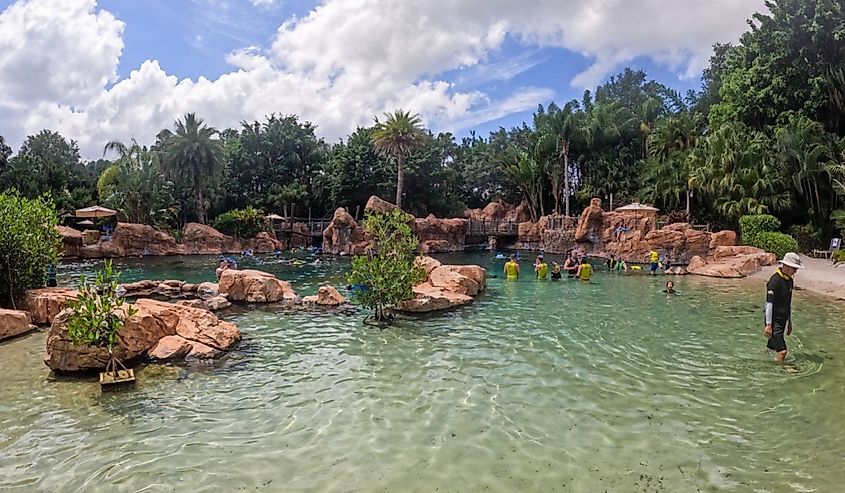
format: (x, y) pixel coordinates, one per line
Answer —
(340, 65)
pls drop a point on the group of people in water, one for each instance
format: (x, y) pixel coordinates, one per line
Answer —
(577, 266)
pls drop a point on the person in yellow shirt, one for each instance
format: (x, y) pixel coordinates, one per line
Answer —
(585, 270)
(541, 268)
(654, 259)
(511, 269)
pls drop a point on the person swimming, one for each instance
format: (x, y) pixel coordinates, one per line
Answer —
(555, 271)
(670, 288)
(585, 270)
(541, 267)
(511, 269)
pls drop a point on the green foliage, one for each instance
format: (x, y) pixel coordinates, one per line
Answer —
(774, 242)
(752, 225)
(398, 136)
(528, 173)
(839, 256)
(807, 236)
(29, 244)
(241, 223)
(97, 312)
(387, 273)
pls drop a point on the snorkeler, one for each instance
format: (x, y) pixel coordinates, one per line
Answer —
(555, 271)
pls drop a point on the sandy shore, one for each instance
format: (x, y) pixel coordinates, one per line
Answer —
(818, 276)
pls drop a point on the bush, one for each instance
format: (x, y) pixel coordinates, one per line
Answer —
(387, 273)
(96, 319)
(839, 256)
(241, 223)
(751, 226)
(29, 244)
(777, 243)
(807, 236)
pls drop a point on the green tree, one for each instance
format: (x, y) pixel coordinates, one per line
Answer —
(528, 173)
(195, 156)
(29, 244)
(5, 154)
(387, 273)
(355, 171)
(136, 187)
(398, 136)
(557, 129)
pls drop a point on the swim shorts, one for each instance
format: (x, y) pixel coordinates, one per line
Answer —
(654, 266)
(777, 342)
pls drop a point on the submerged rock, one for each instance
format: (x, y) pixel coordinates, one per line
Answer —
(326, 296)
(14, 323)
(447, 286)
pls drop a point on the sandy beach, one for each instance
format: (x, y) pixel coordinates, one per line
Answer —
(818, 276)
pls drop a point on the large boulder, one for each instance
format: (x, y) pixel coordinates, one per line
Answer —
(14, 323)
(153, 321)
(501, 211)
(254, 286)
(326, 296)
(44, 304)
(440, 235)
(558, 240)
(731, 266)
(427, 263)
(201, 239)
(71, 241)
(428, 298)
(591, 223)
(450, 280)
(379, 205)
(264, 243)
(132, 240)
(722, 238)
(343, 235)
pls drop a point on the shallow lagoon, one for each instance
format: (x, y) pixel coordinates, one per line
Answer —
(538, 386)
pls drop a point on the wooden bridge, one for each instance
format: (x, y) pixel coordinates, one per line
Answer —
(286, 227)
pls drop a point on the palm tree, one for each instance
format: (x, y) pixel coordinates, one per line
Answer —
(558, 128)
(527, 172)
(398, 136)
(196, 157)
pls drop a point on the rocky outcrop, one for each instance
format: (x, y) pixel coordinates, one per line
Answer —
(379, 205)
(132, 240)
(440, 235)
(343, 236)
(326, 296)
(731, 262)
(502, 211)
(447, 286)
(680, 242)
(14, 323)
(591, 223)
(71, 241)
(141, 335)
(255, 286)
(201, 239)
(45, 303)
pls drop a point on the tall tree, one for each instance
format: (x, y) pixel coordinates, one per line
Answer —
(398, 136)
(557, 129)
(195, 155)
(528, 173)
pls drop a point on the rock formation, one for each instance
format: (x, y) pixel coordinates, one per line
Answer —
(343, 235)
(502, 211)
(14, 323)
(255, 286)
(731, 262)
(446, 286)
(440, 235)
(141, 334)
(45, 303)
(71, 241)
(326, 296)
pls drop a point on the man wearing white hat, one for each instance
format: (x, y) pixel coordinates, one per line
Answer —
(779, 305)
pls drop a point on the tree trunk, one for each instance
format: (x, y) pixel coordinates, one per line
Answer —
(566, 175)
(400, 178)
(200, 206)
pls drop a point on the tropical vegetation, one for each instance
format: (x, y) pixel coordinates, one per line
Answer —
(29, 245)
(765, 134)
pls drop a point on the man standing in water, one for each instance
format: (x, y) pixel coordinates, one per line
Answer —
(779, 305)
(511, 269)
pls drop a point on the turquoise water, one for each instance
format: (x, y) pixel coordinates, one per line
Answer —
(537, 386)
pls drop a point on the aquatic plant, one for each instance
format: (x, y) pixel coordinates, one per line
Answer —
(97, 312)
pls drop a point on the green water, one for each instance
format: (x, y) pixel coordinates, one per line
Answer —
(537, 386)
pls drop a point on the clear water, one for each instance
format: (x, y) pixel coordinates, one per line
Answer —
(538, 386)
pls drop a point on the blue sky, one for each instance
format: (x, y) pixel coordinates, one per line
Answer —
(99, 70)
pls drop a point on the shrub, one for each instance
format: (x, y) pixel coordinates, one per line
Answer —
(777, 243)
(807, 236)
(839, 256)
(96, 319)
(240, 223)
(750, 226)
(386, 274)
(29, 244)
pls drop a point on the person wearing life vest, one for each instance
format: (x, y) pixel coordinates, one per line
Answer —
(654, 259)
(511, 269)
(541, 268)
(585, 270)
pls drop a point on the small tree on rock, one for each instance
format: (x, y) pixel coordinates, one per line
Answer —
(386, 273)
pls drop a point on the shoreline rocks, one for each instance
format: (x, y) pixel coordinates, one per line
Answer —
(326, 296)
(14, 323)
(255, 286)
(155, 320)
(447, 286)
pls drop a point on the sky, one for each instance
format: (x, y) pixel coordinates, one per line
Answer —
(102, 70)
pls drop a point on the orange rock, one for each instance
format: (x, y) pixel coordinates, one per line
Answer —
(326, 296)
(377, 204)
(45, 303)
(591, 222)
(14, 323)
(169, 348)
(428, 299)
(722, 238)
(427, 263)
(446, 278)
(254, 286)
(732, 266)
(474, 272)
